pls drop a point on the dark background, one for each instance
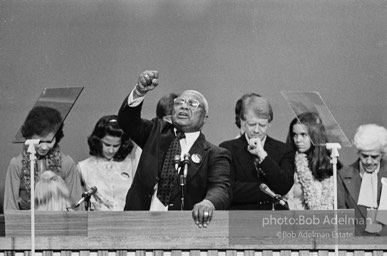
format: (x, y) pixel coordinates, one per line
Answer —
(221, 48)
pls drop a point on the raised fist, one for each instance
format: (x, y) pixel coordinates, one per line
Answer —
(147, 81)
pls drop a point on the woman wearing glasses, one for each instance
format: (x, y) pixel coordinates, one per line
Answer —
(361, 184)
(45, 124)
(111, 166)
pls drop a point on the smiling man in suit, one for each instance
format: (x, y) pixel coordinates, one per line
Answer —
(157, 183)
(257, 158)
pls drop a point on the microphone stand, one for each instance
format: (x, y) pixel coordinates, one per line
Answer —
(277, 200)
(334, 155)
(183, 176)
(85, 199)
(87, 202)
(31, 150)
(182, 183)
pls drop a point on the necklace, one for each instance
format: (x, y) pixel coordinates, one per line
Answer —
(53, 160)
(317, 195)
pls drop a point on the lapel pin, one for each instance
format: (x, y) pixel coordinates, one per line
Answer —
(196, 158)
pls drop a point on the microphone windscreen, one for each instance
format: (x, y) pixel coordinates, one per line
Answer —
(92, 190)
(263, 187)
(187, 159)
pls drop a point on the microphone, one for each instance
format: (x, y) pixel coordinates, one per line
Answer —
(183, 175)
(265, 189)
(176, 162)
(186, 164)
(86, 195)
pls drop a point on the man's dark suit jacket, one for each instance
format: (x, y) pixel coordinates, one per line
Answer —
(276, 171)
(348, 189)
(208, 179)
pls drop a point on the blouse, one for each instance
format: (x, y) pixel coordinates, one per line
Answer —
(17, 192)
(111, 178)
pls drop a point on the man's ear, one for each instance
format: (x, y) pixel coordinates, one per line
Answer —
(243, 123)
(204, 121)
(167, 118)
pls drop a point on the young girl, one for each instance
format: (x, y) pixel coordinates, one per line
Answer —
(111, 167)
(51, 193)
(313, 180)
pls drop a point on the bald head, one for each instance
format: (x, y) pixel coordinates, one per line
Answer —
(200, 97)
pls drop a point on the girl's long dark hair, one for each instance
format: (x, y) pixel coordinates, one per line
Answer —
(108, 125)
(318, 155)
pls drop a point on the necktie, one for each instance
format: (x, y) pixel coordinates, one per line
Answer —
(256, 165)
(168, 172)
(368, 195)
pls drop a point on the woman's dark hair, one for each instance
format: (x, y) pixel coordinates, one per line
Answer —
(42, 120)
(108, 125)
(318, 155)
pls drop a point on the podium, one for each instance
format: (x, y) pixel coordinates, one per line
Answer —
(149, 233)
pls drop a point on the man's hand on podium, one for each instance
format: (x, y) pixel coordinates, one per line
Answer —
(202, 213)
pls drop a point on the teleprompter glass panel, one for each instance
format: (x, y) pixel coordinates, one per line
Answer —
(62, 99)
(302, 102)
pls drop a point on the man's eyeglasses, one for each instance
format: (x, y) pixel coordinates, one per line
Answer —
(192, 103)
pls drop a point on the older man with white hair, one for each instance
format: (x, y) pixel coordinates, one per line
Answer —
(178, 169)
(363, 185)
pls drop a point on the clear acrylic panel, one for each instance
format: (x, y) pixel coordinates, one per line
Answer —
(301, 102)
(62, 99)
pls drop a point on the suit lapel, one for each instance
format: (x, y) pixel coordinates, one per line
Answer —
(382, 173)
(244, 158)
(198, 154)
(352, 181)
(271, 148)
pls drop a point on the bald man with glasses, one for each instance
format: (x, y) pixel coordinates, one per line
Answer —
(157, 186)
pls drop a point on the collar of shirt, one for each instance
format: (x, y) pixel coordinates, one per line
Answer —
(188, 141)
